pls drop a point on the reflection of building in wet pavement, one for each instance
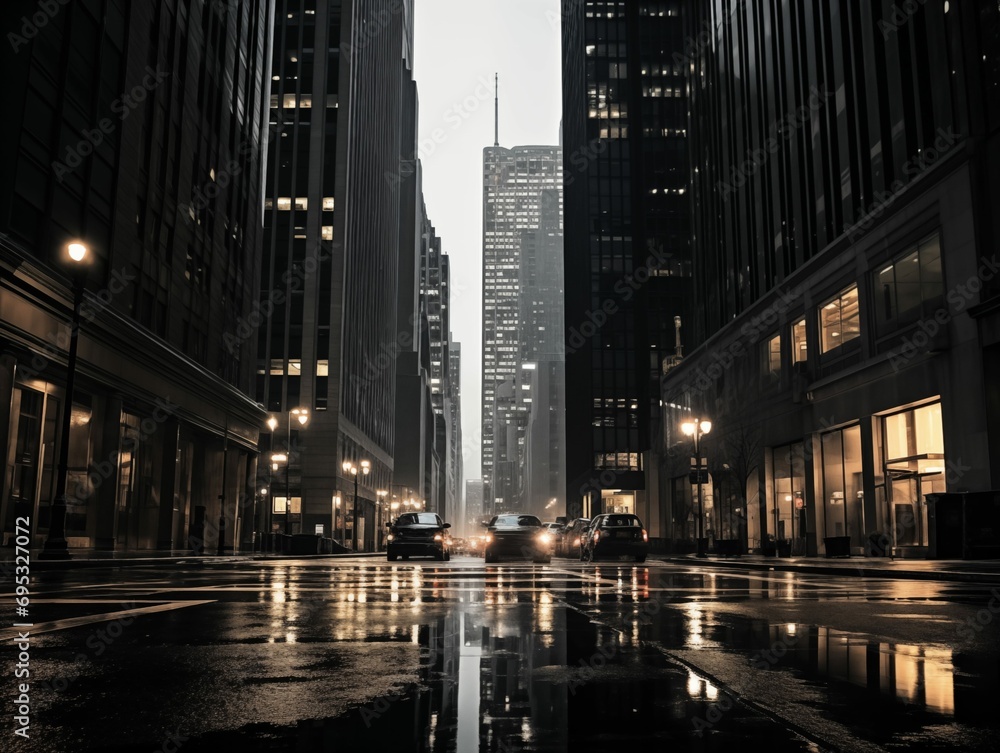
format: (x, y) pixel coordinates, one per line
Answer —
(919, 676)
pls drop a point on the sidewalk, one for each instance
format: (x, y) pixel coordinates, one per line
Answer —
(159, 559)
(962, 571)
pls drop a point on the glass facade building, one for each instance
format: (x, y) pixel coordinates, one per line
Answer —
(843, 177)
(139, 130)
(627, 255)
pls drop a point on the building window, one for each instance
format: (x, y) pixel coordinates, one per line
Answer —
(772, 357)
(909, 288)
(914, 466)
(800, 350)
(786, 510)
(839, 320)
(843, 493)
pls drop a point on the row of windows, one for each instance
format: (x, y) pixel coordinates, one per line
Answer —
(905, 291)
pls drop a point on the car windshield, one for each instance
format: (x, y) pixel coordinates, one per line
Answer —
(517, 520)
(618, 521)
(417, 518)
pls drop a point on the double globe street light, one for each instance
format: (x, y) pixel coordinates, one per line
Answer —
(697, 429)
(355, 470)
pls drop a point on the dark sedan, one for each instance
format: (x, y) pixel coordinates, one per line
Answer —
(570, 544)
(616, 535)
(520, 536)
(418, 534)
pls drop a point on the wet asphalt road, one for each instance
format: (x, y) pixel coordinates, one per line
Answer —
(364, 655)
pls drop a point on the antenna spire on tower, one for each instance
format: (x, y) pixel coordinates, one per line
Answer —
(496, 109)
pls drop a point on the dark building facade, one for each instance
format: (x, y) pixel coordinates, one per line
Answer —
(627, 255)
(342, 93)
(138, 130)
(845, 166)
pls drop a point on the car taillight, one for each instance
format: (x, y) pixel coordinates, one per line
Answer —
(645, 536)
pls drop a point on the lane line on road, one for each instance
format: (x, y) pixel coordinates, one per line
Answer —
(73, 622)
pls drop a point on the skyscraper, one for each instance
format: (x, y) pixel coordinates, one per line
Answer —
(342, 94)
(514, 183)
(137, 130)
(844, 189)
(627, 254)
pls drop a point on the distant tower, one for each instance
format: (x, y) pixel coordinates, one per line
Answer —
(496, 109)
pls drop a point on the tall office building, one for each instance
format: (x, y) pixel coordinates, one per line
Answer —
(627, 252)
(514, 183)
(138, 130)
(846, 167)
(455, 510)
(342, 94)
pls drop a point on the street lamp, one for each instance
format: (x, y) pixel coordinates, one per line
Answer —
(56, 547)
(355, 471)
(272, 424)
(380, 511)
(302, 415)
(697, 429)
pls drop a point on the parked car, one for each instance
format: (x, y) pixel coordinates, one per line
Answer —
(418, 534)
(520, 536)
(614, 535)
(568, 544)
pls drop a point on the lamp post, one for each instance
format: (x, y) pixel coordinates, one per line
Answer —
(302, 415)
(356, 471)
(56, 547)
(379, 512)
(272, 424)
(697, 429)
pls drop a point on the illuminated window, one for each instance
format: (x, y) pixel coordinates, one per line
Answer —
(322, 368)
(910, 288)
(800, 350)
(839, 320)
(301, 204)
(772, 356)
(328, 232)
(327, 203)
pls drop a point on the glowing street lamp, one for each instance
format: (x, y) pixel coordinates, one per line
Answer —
(697, 429)
(355, 471)
(56, 546)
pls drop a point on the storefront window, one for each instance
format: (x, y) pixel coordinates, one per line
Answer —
(914, 465)
(843, 493)
(786, 506)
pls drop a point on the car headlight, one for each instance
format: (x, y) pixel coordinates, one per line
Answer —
(390, 537)
(545, 538)
(489, 538)
(438, 537)
(576, 541)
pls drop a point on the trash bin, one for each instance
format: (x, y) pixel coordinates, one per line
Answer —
(838, 546)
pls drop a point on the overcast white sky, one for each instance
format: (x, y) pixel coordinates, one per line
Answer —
(459, 45)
